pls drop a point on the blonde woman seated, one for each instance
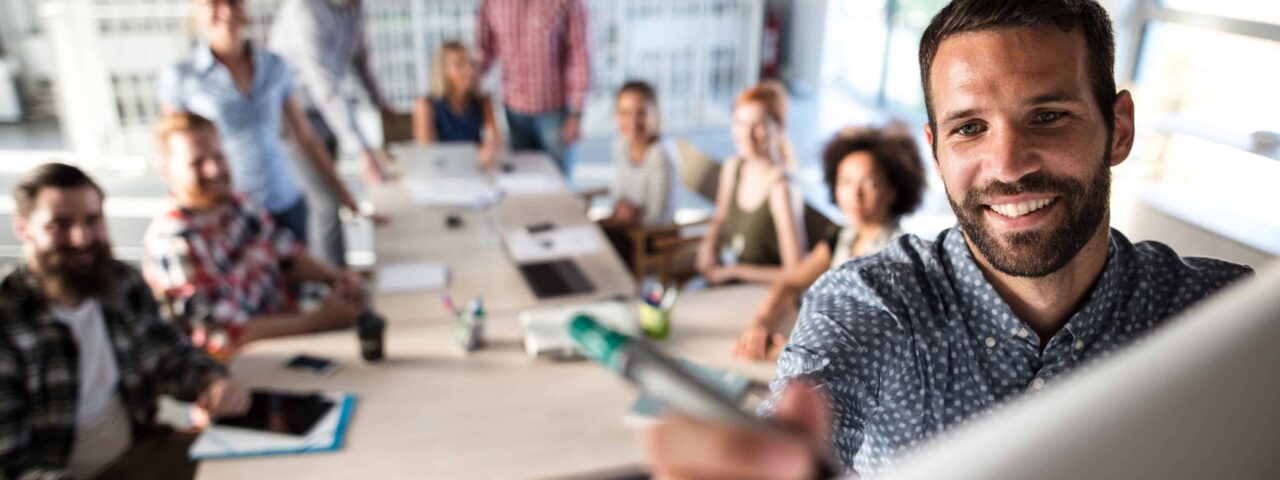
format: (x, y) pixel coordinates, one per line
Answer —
(875, 177)
(753, 237)
(644, 184)
(454, 110)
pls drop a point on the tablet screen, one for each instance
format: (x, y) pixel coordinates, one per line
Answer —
(287, 413)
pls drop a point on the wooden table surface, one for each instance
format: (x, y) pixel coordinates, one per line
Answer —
(431, 410)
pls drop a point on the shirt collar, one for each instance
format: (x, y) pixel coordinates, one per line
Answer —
(992, 317)
(23, 284)
(985, 311)
(1096, 310)
(203, 61)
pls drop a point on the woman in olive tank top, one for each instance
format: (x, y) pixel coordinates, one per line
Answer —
(753, 236)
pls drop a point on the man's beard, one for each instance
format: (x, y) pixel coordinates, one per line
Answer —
(209, 194)
(63, 276)
(1044, 250)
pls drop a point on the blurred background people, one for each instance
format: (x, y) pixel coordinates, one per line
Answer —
(84, 352)
(753, 235)
(644, 181)
(246, 91)
(546, 71)
(225, 270)
(322, 40)
(875, 178)
(454, 110)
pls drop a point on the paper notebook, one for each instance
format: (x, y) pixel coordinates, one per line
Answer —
(546, 333)
(474, 193)
(221, 441)
(408, 277)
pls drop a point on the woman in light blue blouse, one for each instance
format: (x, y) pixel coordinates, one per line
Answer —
(246, 91)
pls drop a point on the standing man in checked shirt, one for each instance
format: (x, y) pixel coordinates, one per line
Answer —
(321, 40)
(1026, 124)
(546, 70)
(84, 352)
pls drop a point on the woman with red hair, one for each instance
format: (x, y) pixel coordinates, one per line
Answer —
(753, 235)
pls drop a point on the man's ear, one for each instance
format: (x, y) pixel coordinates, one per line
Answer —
(1122, 130)
(933, 147)
(19, 224)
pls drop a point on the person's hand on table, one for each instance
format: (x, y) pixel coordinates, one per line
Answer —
(337, 310)
(487, 157)
(347, 284)
(705, 263)
(719, 274)
(757, 343)
(374, 167)
(625, 213)
(571, 130)
(681, 447)
(378, 219)
(223, 398)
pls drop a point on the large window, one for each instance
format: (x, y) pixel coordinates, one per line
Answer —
(1204, 75)
(1206, 92)
(878, 45)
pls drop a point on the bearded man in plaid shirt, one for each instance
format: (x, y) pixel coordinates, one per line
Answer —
(84, 352)
(546, 70)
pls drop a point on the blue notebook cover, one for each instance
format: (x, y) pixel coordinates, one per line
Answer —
(219, 441)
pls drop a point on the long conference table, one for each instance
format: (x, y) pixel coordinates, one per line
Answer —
(431, 410)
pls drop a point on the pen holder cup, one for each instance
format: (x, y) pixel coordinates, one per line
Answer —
(655, 321)
(469, 331)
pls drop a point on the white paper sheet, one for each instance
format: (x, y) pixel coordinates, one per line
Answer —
(454, 192)
(412, 277)
(529, 183)
(556, 243)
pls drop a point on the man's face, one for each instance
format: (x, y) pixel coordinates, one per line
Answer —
(65, 235)
(196, 170)
(1022, 145)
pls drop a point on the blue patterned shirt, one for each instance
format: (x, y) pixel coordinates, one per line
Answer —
(914, 340)
(248, 126)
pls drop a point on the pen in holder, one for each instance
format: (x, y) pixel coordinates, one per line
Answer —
(655, 309)
(469, 329)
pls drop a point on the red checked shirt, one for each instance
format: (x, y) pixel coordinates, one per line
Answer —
(542, 45)
(217, 269)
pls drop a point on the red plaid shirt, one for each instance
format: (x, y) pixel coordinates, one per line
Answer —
(217, 269)
(542, 45)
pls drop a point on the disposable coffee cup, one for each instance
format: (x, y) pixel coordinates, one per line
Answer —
(371, 329)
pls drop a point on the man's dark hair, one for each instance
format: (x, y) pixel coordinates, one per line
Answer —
(53, 175)
(641, 87)
(963, 16)
(895, 155)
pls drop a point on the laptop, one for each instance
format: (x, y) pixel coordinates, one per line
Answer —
(555, 278)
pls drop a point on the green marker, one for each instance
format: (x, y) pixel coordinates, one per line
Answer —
(656, 374)
(660, 377)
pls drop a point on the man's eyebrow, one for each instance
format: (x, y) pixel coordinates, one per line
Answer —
(958, 114)
(1060, 96)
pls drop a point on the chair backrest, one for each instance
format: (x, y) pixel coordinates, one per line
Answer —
(699, 172)
(817, 226)
(397, 128)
